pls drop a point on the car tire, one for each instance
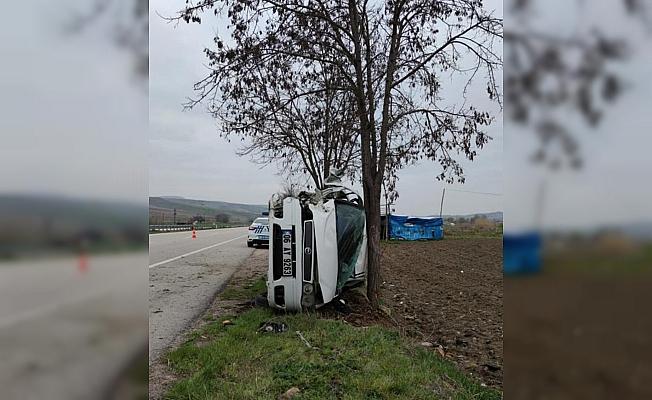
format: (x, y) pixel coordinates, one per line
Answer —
(261, 301)
(249, 244)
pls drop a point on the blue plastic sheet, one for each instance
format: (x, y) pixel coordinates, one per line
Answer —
(415, 228)
(521, 253)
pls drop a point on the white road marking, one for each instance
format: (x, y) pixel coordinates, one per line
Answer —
(195, 252)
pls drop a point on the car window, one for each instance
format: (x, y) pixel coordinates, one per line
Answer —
(262, 221)
(350, 231)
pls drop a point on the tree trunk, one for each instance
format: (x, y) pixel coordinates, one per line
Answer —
(372, 206)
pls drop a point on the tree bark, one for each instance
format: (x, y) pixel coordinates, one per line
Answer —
(372, 209)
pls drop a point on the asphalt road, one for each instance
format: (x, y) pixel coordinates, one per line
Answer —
(65, 333)
(184, 276)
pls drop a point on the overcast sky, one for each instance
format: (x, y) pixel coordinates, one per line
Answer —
(188, 158)
(75, 121)
(613, 187)
(73, 113)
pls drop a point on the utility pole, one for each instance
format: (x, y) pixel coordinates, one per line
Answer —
(386, 213)
(539, 206)
(441, 205)
(175, 217)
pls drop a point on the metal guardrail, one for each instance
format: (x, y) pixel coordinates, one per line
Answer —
(185, 227)
(169, 228)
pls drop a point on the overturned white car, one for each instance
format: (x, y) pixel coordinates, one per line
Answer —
(317, 247)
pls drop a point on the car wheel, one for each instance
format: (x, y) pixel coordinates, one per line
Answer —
(261, 301)
(249, 244)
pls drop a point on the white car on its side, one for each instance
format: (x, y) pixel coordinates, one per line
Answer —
(258, 232)
(318, 246)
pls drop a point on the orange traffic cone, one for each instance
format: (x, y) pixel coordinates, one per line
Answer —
(194, 234)
(82, 266)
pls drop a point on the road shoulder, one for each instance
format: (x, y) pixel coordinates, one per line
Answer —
(161, 376)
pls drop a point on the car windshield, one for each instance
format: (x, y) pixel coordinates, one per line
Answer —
(261, 221)
(350, 232)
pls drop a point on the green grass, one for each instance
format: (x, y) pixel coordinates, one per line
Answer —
(592, 261)
(237, 362)
(473, 234)
(488, 235)
(246, 292)
(454, 233)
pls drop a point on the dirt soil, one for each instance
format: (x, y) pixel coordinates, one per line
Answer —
(448, 293)
(578, 335)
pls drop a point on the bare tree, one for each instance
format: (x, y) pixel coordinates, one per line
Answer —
(390, 57)
(551, 72)
(129, 23)
(306, 128)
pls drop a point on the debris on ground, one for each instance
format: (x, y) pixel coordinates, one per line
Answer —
(273, 327)
(227, 322)
(303, 339)
(293, 391)
(341, 307)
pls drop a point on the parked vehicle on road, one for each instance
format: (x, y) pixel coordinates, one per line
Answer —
(258, 232)
(318, 246)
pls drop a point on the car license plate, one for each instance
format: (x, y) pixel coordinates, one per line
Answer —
(287, 252)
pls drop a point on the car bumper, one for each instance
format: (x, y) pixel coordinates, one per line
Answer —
(258, 241)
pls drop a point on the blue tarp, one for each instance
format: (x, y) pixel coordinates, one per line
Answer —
(522, 253)
(415, 228)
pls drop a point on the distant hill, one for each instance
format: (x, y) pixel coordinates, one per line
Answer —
(39, 224)
(496, 216)
(71, 211)
(161, 210)
(638, 230)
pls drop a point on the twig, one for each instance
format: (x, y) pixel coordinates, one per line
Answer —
(304, 340)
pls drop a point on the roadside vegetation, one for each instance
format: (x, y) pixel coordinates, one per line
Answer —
(412, 349)
(610, 256)
(474, 229)
(231, 358)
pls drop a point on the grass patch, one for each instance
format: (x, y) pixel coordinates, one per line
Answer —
(474, 234)
(480, 235)
(458, 234)
(465, 231)
(591, 260)
(245, 292)
(237, 362)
